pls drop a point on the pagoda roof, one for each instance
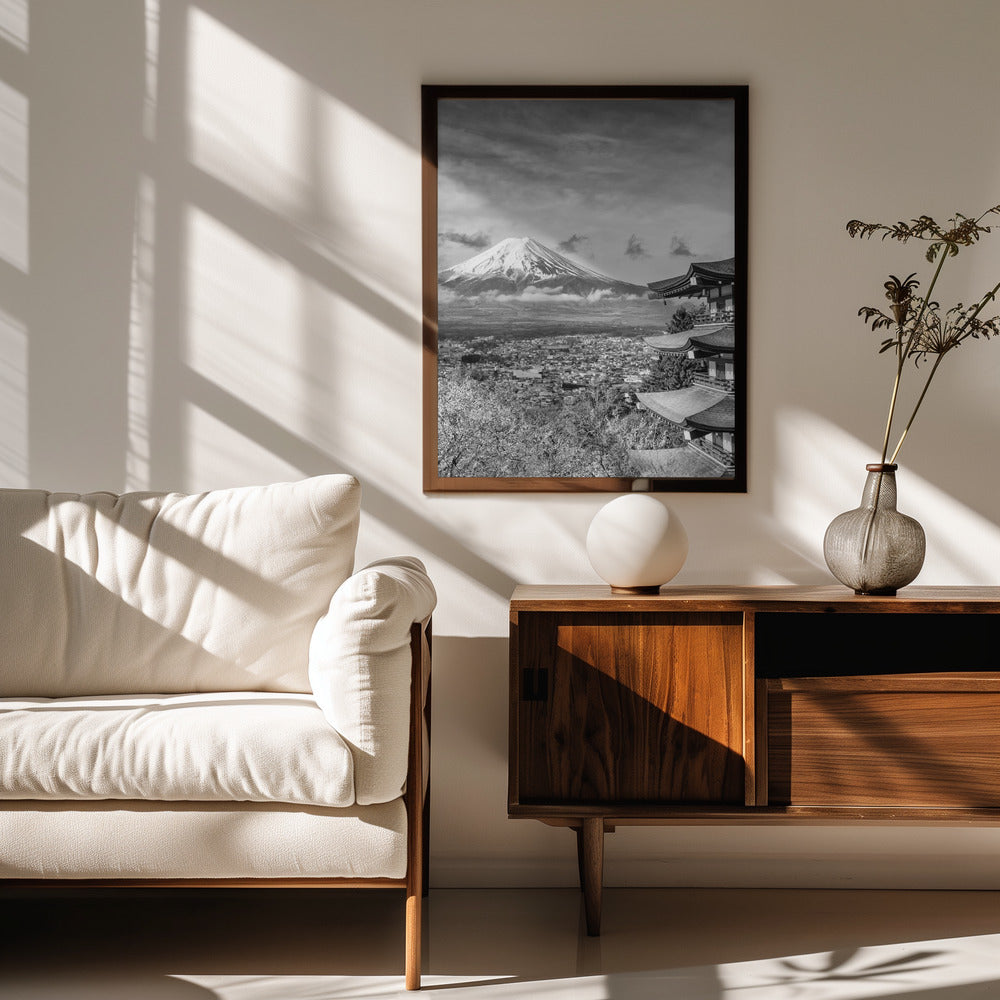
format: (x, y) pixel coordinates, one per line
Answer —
(716, 338)
(674, 342)
(708, 274)
(680, 405)
(720, 337)
(720, 417)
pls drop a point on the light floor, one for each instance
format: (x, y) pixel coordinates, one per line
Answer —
(660, 944)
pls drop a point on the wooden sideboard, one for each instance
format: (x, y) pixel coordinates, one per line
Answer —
(751, 705)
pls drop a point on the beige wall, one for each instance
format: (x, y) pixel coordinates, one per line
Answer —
(210, 275)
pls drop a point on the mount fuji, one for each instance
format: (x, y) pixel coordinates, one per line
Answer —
(520, 264)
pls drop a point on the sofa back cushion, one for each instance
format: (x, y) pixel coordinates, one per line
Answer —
(165, 593)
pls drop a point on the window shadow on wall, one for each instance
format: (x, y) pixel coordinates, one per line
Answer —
(222, 286)
(192, 327)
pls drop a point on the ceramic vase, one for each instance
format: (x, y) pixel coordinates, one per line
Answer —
(874, 549)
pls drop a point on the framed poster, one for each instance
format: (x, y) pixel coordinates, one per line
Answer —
(585, 288)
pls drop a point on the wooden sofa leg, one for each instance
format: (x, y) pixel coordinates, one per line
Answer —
(414, 905)
(416, 805)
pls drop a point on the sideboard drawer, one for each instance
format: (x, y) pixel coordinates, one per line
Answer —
(914, 740)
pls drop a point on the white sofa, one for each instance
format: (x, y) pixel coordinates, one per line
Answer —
(201, 690)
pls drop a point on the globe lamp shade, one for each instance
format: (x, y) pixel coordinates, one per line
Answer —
(636, 543)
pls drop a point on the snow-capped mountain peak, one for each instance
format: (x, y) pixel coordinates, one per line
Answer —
(519, 263)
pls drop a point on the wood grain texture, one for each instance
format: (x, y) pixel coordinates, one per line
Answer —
(852, 709)
(738, 815)
(514, 652)
(833, 598)
(643, 708)
(592, 868)
(751, 781)
(897, 741)
(761, 743)
(934, 683)
(429, 287)
(414, 793)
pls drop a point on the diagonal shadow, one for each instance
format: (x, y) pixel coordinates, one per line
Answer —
(609, 718)
(81, 215)
(313, 460)
(161, 536)
(939, 769)
(14, 63)
(933, 777)
(13, 291)
(106, 986)
(598, 741)
(176, 384)
(78, 600)
(281, 236)
(87, 601)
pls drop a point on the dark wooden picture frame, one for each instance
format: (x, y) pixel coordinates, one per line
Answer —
(585, 288)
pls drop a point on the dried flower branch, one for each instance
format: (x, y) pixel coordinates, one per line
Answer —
(919, 331)
(961, 232)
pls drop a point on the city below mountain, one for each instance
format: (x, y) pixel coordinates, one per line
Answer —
(518, 265)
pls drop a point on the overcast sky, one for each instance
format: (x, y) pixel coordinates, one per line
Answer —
(637, 189)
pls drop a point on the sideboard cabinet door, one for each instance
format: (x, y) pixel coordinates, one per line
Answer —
(617, 708)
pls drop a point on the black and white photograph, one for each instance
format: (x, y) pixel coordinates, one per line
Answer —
(585, 290)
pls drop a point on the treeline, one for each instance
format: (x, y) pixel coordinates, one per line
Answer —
(492, 429)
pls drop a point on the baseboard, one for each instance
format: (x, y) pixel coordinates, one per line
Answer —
(960, 871)
(491, 873)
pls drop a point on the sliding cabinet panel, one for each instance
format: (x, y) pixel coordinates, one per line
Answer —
(905, 740)
(618, 707)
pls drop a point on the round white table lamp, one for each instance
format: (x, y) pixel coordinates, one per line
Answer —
(636, 543)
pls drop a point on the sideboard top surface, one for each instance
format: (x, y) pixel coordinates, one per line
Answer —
(598, 597)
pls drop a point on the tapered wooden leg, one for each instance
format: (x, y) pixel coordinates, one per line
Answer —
(414, 906)
(416, 811)
(426, 832)
(414, 902)
(592, 866)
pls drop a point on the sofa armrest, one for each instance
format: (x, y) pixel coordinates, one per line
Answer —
(360, 669)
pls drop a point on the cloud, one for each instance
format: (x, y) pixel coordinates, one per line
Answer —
(535, 294)
(635, 248)
(478, 241)
(680, 248)
(574, 243)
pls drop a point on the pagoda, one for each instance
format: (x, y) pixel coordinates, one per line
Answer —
(705, 410)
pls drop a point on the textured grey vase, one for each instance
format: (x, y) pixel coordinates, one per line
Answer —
(874, 549)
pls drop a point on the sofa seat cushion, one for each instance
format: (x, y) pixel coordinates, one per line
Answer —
(221, 747)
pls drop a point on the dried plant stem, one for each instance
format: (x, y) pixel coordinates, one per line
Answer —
(988, 297)
(892, 398)
(923, 393)
(871, 519)
(902, 353)
(937, 337)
